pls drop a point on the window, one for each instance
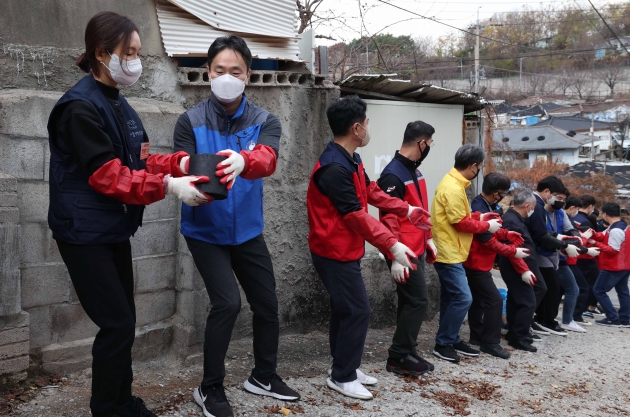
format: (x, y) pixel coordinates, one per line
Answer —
(525, 138)
(540, 138)
(506, 139)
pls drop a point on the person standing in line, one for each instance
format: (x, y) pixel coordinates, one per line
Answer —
(485, 315)
(453, 230)
(101, 176)
(614, 244)
(573, 204)
(547, 244)
(225, 237)
(522, 297)
(588, 265)
(559, 224)
(402, 179)
(339, 224)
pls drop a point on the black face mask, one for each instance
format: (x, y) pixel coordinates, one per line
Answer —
(501, 197)
(477, 174)
(558, 205)
(423, 154)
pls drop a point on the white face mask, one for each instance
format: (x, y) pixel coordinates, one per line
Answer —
(551, 200)
(133, 70)
(227, 88)
(365, 139)
(529, 213)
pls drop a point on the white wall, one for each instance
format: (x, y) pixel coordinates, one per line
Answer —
(565, 156)
(388, 120)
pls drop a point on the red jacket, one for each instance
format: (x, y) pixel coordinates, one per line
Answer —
(483, 254)
(609, 258)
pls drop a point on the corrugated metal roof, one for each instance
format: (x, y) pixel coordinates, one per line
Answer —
(258, 17)
(538, 138)
(386, 87)
(183, 34)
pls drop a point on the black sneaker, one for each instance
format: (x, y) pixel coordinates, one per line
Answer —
(533, 337)
(588, 314)
(275, 388)
(421, 359)
(446, 352)
(522, 345)
(134, 408)
(625, 324)
(607, 322)
(538, 329)
(407, 365)
(213, 401)
(464, 349)
(495, 349)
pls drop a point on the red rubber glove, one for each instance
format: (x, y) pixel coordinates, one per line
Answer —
(515, 237)
(419, 217)
(167, 164)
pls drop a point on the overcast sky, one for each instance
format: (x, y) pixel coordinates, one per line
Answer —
(458, 13)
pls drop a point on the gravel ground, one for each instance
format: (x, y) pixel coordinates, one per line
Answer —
(579, 375)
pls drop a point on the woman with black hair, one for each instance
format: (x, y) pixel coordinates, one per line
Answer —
(101, 177)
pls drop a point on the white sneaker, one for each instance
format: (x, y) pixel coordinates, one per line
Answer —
(352, 389)
(573, 326)
(361, 377)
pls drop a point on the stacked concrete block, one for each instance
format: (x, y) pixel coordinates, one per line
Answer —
(61, 335)
(14, 323)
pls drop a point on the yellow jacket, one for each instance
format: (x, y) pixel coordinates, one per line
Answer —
(450, 205)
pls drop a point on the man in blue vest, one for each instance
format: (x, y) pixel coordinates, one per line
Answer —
(225, 237)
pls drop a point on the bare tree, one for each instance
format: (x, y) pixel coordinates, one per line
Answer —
(306, 11)
(583, 84)
(610, 74)
(565, 80)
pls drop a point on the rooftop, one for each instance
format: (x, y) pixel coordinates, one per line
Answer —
(532, 138)
(574, 123)
(386, 87)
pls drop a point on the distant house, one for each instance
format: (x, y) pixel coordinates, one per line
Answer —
(527, 117)
(577, 124)
(619, 171)
(535, 143)
(613, 45)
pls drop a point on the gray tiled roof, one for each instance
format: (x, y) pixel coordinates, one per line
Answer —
(573, 123)
(553, 139)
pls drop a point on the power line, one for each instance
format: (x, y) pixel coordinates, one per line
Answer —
(609, 28)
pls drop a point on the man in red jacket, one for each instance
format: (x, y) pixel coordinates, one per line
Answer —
(485, 313)
(337, 198)
(402, 179)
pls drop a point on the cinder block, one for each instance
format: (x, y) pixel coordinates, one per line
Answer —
(8, 199)
(69, 323)
(155, 237)
(10, 336)
(13, 350)
(33, 201)
(14, 321)
(155, 273)
(8, 183)
(69, 366)
(40, 328)
(188, 277)
(37, 245)
(69, 351)
(154, 307)
(44, 285)
(152, 341)
(14, 365)
(9, 215)
(10, 302)
(159, 120)
(192, 309)
(25, 112)
(168, 208)
(22, 158)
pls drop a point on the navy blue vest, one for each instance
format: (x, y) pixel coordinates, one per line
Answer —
(559, 216)
(77, 213)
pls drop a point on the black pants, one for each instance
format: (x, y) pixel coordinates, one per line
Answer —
(349, 314)
(485, 314)
(412, 308)
(251, 264)
(547, 311)
(102, 276)
(582, 301)
(521, 299)
(590, 271)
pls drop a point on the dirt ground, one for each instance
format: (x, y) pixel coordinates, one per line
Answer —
(579, 375)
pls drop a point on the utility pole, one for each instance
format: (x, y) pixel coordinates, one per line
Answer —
(593, 137)
(461, 67)
(520, 77)
(477, 53)
(367, 58)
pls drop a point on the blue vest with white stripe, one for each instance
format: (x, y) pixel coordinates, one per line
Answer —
(238, 218)
(559, 215)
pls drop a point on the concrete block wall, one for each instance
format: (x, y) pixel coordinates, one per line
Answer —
(62, 333)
